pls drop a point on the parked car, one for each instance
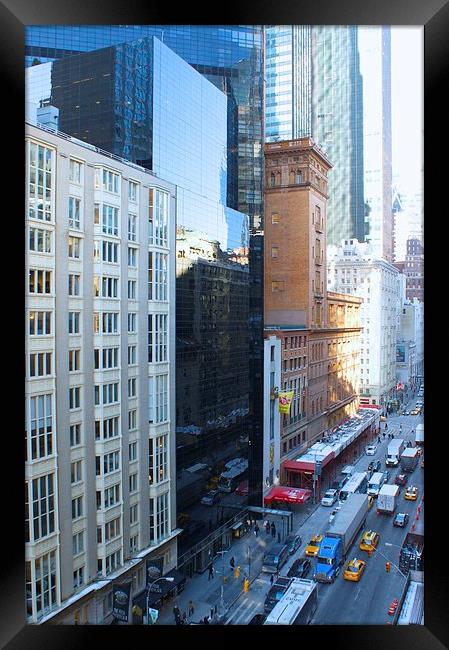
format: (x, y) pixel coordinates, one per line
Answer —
(406, 413)
(211, 498)
(354, 570)
(275, 593)
(374, 466)
(329, 498)
(293, 542)
(401, 519)
(258, 619)
(300, 568)
(370, 450)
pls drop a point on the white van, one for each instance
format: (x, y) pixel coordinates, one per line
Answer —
(375, 483)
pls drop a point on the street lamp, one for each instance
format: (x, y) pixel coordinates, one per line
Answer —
(168, 579)
(388, 559)
(222, 607)
(249, 562)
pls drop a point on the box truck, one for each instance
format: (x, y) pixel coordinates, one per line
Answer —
(394, 451)
(419, 435)
(340, 537)
(409, 459)
(387, 499)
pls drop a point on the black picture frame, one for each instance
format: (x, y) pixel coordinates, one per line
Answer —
(14, 16)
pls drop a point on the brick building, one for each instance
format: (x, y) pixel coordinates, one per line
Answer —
(319, 330)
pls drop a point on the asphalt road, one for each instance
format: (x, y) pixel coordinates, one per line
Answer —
(344, 602)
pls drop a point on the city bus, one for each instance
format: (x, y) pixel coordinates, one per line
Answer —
(356, 484)
(230, 479)
(297, 606)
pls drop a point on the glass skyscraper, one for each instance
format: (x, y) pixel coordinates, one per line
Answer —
(139, 100)
(314, 88)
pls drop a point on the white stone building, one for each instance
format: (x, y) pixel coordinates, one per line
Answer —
(100, 385)
(353, 269)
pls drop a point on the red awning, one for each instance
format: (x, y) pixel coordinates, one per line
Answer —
(288, 495)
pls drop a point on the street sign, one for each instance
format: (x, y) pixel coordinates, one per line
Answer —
(153, 615)
(317, 468)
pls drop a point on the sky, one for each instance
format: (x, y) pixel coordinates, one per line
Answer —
(407, 90)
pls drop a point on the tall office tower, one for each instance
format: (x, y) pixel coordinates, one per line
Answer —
(143, 100)
(314, 88)
(100, 409)
(375, 66)
(231, 58)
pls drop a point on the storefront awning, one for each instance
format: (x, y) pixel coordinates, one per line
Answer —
(288, 495)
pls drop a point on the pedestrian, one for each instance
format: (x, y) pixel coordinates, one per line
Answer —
(211, 572)
(232, 563)
(184, 619)
(378, 439)
(205, 621)
(211, 613)
(271, 579)
(256, 530)
(191, 608)
(273, 530)
(176, 613)
(267, 527)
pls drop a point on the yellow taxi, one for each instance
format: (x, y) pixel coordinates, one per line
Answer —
(411, 493)
(415, 412)
(370, 502)
(354, 570)
(370, 540)
(313, 546)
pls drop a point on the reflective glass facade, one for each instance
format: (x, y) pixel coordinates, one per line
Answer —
(314, 88)
(143, 102)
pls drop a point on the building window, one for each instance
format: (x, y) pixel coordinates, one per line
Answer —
(132, 387)
(41, 426)
(76, 472)
(78, 543)
(133, 514)
(132, 322)
(40, 323)
(45, 583)
(74, 322)
(39, 282)
(108, 249)
(78, 578)
(132, 448)
(74, 248)
(132, 256)
(75, 169)
(75, 435)
(40, 364)
(74, 398)
(77, 507)
(112, 529)
(74, 284)
(111, 462)
(43, 506)
(132, 355)
(113, 561)
(157, 338)
(133, 192)
(158, 217)
(132, 419)
(134, 544)
(132, 289)
(161, 398)
(112, 496)
(275, 217)
(40, 240)
(110, 181)
(74, 360)
(133, 483)
(159, 517)
(107, 428)
(132, 228)
(159, 459)
(277, 285)
(157, 276)
(40, 182)
(74, 213)
(275, 252)
(109, 222)
(109, 394)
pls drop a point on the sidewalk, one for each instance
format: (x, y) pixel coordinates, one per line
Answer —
(205, 593)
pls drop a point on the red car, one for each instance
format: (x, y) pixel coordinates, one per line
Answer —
(401, 479)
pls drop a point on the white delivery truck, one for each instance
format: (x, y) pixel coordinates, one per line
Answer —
(409, 459)
(375, 483)
(419, 434)
(387, 499)
(297, 606)
(394, 451)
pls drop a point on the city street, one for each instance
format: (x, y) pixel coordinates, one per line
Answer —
(367, 601)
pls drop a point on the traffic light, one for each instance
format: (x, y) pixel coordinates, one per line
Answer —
(388, 567)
